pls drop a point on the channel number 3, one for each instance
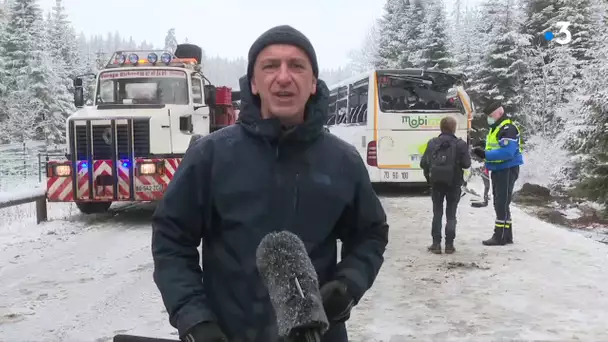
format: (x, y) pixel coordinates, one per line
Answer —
(564, 36)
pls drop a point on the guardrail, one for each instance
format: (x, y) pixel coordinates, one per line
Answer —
(37, 195)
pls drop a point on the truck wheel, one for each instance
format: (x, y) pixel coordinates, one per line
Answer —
(88, 208)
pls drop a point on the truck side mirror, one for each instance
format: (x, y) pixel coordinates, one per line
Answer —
(78, 93)
(210, 95)
(185, 124)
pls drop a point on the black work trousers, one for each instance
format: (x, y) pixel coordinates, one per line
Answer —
(451, 194)
(503, 182)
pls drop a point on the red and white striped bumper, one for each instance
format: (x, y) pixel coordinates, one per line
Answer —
(145, 180)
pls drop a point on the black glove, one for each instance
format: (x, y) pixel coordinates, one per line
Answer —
(205, 332)
(481, 143)
(480, 152)
(337, 302)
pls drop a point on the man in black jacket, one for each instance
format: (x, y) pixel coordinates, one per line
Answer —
(276, 169)
(442, 163)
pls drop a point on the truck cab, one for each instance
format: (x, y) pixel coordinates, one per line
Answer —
(148, 108)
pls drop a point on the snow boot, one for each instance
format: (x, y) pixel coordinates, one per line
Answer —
(498, 239)
(435, 248)
(449, 247)
(509, 234)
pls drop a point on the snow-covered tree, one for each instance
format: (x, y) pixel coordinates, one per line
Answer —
(433, 44)
(365, 58)
(588, 138)
(392, 30)
(468, 53)
(3, 74)
(580, 14)
(22, 121)
(32, 81)
(64, 45)
(503, 66)
(414, 21)
(171, 40)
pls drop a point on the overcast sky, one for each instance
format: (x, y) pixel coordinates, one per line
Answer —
(228, 27)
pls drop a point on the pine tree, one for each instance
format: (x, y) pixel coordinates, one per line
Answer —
(365, 58)
(434, 41)
(548, 82)
(500, 75)
(589, 138)
(471, 52)
(60, 45)
(171, 40)
(392, 44)
(64, 39)
(31, 78)
(3, 76)
(580, 15)
(414, 20)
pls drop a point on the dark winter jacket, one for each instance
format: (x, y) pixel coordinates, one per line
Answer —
(464, 157)
(238, 184)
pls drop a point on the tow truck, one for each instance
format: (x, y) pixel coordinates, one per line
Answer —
(148, 108)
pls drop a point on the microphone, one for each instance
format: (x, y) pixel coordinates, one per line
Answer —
(135, 338)
(293, 286)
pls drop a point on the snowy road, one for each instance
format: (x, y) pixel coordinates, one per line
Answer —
(84, 279)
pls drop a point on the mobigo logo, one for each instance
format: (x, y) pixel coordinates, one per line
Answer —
(420, 121)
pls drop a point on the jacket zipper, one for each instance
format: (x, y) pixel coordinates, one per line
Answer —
(296, 195)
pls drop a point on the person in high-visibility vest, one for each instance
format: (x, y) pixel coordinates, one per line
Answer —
(503, 157)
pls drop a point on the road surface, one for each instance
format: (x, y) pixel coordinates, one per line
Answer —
(88, 278)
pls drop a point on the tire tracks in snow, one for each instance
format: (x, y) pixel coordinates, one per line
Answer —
(70, 284)
(93, 281)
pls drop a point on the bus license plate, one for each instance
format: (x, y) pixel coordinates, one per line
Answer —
(395, 175)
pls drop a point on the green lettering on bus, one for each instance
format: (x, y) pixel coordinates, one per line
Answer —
(420, 121)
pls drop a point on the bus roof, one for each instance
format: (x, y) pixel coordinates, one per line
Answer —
(406, 71)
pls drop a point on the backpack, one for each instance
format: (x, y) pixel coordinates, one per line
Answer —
(443, 163)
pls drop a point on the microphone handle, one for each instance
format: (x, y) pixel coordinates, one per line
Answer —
(307, 335)
(135, 338)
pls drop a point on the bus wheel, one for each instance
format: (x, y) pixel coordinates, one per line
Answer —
(88, 208)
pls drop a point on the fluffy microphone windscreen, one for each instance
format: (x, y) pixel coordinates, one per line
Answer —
(292, 283)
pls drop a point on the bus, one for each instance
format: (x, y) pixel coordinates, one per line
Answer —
(390, 115)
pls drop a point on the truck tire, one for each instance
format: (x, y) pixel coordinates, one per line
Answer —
(89, 208)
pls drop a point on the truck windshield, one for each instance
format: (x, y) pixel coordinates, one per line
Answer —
(144, 86)
(402, 93)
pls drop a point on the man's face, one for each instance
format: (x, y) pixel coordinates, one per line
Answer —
(497, 113)
(284, 80)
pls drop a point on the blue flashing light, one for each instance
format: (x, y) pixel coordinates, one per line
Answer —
(152, 58)
(125, 164)
(84, 165)
(133, 58)
(166, 58)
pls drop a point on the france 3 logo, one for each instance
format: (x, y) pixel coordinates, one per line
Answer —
(563, 36)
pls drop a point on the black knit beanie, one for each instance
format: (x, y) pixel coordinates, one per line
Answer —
(490, 108)
(283, 34)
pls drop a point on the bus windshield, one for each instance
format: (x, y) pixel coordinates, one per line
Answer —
(402, 93)
(143, 87)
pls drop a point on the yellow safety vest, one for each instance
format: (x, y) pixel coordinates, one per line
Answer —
(492, 142)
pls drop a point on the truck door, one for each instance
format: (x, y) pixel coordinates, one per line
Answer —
(200, 119)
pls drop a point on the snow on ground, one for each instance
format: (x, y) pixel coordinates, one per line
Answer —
(92, 278)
